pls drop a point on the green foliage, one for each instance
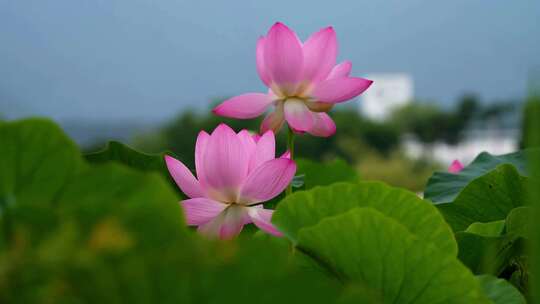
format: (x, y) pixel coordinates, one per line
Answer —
(529, 127)
(430, 123)
(307, 208)
(76, 233)
(444, 187)
(488, 198)
(533, 136)
(107, 228)
(310, 174)
(382, 137)
(120, 153)
(422, 120)
(486, 250)
(358, 141)
(37, 160)
(487, 229)
(483, 254)
(397, 170)
(518, 221)
(368, 234)
(490, 220)
(111, 234)
(257, 270)
(531, 123)
(367, 247)
(500, 291)
(321, 174)
(180, 134)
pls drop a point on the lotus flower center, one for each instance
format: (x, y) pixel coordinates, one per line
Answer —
(314, 106)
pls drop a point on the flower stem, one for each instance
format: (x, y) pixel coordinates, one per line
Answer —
(290, 147)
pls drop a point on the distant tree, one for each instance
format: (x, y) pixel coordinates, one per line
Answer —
(382, 137)
(429, 123)
(180, 134)
(495, 112)
(459, 120)
(426, 121)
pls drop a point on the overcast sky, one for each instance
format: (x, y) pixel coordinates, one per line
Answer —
(146, 60)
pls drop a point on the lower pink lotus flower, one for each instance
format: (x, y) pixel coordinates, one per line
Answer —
(455, 167)
(303, 79)
(235, 174)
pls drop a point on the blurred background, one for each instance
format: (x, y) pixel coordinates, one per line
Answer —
(452, 78)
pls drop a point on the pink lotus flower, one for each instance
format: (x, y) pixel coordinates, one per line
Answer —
(235, 173)
(304, 83)
(455, 167)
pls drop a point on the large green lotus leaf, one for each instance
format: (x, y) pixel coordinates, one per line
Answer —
(118, 152)
(307, 208)
(490, 248)
(495, 228)
(519, 221)
(259, 270)
(484, 254)
(111, 234)
(225, 273)
(365, 246)
(74, 232)
(486, 199)
(36, 160)
(143, 202)
(120, 238)
(500, 291)
(320, 174)
(444, 187)
(137, 217)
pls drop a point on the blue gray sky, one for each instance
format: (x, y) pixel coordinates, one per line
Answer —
(147, 60)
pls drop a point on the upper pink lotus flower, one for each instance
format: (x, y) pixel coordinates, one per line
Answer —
(304, 82)
(235, 173)
(455, 167)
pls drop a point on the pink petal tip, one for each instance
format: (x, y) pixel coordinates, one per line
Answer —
(455, 167)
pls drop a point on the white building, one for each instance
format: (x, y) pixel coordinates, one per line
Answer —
(494, 141)
(387, 92)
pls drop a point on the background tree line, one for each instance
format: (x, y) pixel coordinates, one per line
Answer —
(373, 147)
